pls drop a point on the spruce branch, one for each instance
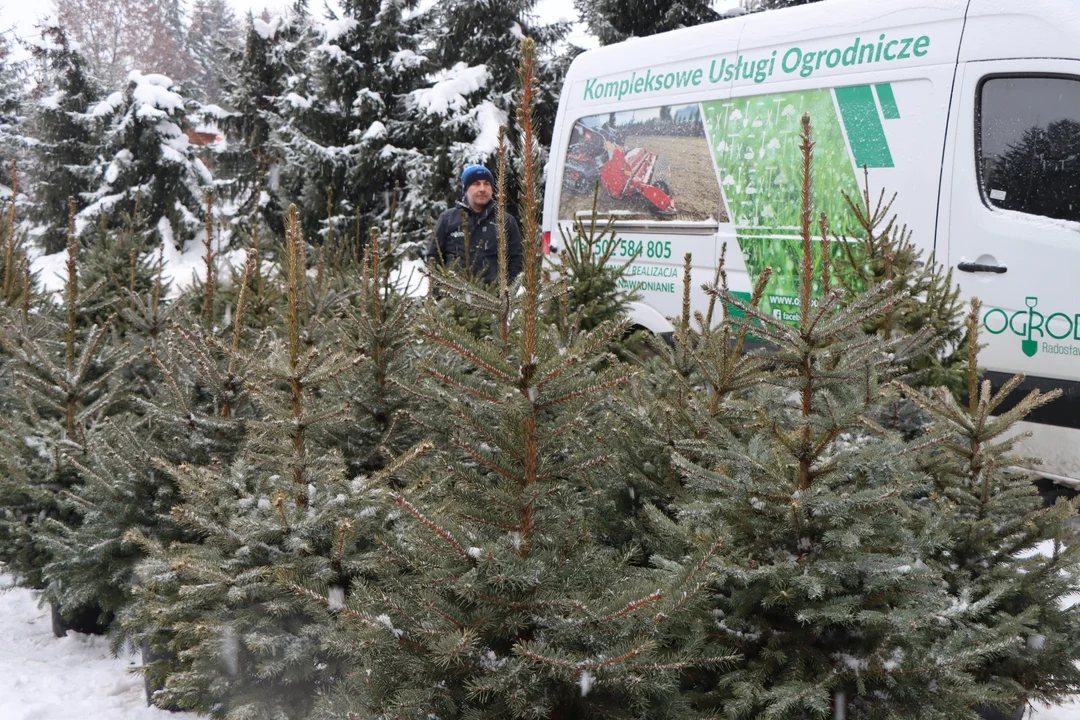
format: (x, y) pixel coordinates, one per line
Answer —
(432, 526)
(9, 246)
(500, 218)
(208, 259)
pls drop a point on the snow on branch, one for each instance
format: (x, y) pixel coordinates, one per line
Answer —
(451, 88)
(269, 30)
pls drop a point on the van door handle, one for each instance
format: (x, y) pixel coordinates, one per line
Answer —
(979, 267)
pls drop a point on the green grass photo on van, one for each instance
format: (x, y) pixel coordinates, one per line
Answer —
(755, 144)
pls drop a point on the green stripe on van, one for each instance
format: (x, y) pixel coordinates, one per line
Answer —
(888, 101)
(864, 129)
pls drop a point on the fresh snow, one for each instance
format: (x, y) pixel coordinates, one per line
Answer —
(71, 678)
(451, 88)
(52, 102)
(334, 29)
(152, 90)
(108, 105)
(406, 59)
(181, 267)
(298, 102)
(489, 119)
(268, 30)
(375, 130)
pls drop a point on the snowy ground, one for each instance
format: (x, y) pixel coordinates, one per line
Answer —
(75, 678)
(72, 678)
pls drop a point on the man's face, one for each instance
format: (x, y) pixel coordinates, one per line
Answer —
(478, 195)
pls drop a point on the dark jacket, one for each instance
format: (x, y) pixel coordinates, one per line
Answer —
(448, 244)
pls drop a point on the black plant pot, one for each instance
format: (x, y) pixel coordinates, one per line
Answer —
(152, 685)
(88, 620)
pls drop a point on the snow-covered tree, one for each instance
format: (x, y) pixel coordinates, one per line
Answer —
(149, 167)
(473, 49)
(212, 36)
(63, 155)
(273, 63)
(613, 21)
(11, 113)
(346, 135)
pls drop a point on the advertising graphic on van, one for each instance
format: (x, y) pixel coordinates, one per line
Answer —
(793, 60)
(1062, 329)
(730, 161)
(755, 143)
(651, 164)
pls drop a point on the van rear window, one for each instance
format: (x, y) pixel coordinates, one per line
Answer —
(650, 164)
(1029, 145)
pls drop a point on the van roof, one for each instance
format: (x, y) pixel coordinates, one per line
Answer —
(995, 29)
(1005, 29)
(758, 30)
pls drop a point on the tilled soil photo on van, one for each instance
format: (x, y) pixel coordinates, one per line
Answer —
(683, 166)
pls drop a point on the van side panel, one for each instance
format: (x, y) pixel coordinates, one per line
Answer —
(877, 95)
(1005, 29)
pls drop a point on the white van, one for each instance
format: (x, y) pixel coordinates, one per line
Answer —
(968, 109)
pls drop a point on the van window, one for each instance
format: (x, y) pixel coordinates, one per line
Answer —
(651, 164)
(1029, 135)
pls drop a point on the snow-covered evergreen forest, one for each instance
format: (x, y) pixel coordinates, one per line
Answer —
(234, 439)
(361, 113)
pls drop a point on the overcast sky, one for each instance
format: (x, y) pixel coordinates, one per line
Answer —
(20, 16)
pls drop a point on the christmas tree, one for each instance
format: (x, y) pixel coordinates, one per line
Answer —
(1009, 564)
(881, 251)
(283, 505)
(12, 141)
(494, 595)
(824, 585)
(66, 379)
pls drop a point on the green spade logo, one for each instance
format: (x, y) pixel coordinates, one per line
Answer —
(1031, 326)
(1029, 346)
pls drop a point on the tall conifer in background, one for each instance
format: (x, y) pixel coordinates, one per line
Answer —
(62, 161)
(212, 36)
(612, 21)
(12, 111)
(348, 131)
(273, 61)
(148, 168)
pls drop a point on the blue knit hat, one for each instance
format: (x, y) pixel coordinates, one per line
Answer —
(472, 173)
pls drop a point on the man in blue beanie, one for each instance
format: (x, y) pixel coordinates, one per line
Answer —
(474, 218)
